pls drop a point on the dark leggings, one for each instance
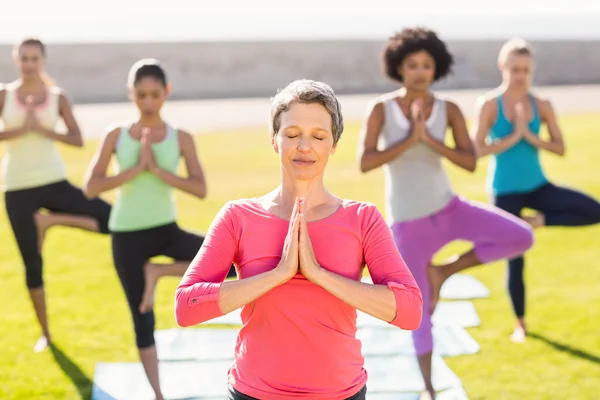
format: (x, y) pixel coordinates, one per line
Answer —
(60, 197)
(132, 250)
(561, 207)
(233, 394)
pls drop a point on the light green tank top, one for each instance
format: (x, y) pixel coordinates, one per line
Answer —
(146, 201)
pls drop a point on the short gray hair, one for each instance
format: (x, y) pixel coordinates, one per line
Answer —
(307, 91)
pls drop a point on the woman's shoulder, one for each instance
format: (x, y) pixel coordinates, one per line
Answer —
(244, 207)
(360, 209)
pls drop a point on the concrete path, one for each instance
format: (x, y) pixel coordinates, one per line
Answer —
(224, 114)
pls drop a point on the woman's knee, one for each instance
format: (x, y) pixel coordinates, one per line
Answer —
(33, 270)
(144, 330)
(423, 336)
(523, 237)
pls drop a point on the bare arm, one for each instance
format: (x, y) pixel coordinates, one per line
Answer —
(556, 144)
(483, 122)
(73, 136)
(195, 183)
(463, 155)
(368, 154)
(96, 180)
(9, 133)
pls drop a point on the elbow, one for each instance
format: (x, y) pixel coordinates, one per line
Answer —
(182, 321)
(471, 163)
(202, 192)
(364, 167)
(88, 191)
(182, 316)
(409, 309)
(77, 140)
(561, 150)
(412, 320)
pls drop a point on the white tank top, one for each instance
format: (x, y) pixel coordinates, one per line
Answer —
(416, 184)
(30, 160)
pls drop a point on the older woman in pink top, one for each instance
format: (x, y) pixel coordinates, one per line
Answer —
(300, 252)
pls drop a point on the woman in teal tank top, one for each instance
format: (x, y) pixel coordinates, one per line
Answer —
(143, 219)
(507, 127)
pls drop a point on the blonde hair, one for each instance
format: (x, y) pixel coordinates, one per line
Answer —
(515, 45)
(32, 41)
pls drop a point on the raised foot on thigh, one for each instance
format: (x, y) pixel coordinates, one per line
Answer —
(151, 275)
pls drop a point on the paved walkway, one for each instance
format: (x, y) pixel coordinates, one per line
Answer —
(223, 114)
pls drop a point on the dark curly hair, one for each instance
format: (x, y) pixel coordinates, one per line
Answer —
(413, 40)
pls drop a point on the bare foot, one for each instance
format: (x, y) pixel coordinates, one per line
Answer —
(428, 394)
(520, 333)
(536, 221)
(42, 343)
(436, 279)
(42, 224)
(151, 275)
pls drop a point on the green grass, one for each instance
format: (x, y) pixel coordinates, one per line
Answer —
(90, 320)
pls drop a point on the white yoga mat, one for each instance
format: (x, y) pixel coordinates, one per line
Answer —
(448, 341)
(207, 380)
(461, 313)
(179, 380)
(451, 394)
(402, 374)
(206, 344)
(463, 287)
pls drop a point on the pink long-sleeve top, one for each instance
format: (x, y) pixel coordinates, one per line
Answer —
(297, 340)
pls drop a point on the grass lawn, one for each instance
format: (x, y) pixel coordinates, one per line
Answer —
(90, 321)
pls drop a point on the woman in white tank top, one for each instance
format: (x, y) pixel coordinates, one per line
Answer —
(32, 174)
(405, 133)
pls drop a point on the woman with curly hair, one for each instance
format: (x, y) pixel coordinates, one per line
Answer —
(405, 133)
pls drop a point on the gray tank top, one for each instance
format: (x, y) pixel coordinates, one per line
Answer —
(416, 184)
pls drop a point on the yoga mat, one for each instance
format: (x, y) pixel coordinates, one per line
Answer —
(402, 374)
(448, 341)
(451, 394)
(179, 380)
(207, 344)
(463, 287)
(207, 380)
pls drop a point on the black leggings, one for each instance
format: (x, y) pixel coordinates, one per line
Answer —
(132, 250)
(233, 394)
(561, 207)
(60, 197)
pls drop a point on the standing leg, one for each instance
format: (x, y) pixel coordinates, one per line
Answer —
(21, 206)
(418, 241)
(514, 205)
(559, 206)
(131, 250)
(180, 245)
(69, 207)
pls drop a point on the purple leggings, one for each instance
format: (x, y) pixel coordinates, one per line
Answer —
(495, 234)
